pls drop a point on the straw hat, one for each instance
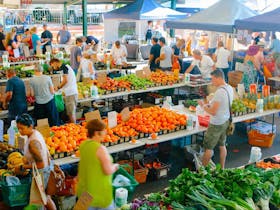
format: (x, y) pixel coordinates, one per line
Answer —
(253, 50)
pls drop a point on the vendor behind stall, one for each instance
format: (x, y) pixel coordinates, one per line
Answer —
(166, 56)
(96, 168)
(35, 151)
(202, 64)
(222, 57)
(119, 53)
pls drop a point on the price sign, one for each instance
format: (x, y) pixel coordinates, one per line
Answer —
(125, 114)
(140, 74)
(43, 127)
(102, 78)
(84, 202)
(92, 115)
(112, 119)
(146, 72)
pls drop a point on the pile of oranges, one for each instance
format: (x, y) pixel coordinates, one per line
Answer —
(110, 137)
(163, 78)
(124, 130)
(66, 138)
(155, 119)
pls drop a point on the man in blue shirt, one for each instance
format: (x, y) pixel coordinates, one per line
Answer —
(63, 36)
(93, 41)
(15, 96)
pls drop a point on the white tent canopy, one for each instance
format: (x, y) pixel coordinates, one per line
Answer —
(220, 17)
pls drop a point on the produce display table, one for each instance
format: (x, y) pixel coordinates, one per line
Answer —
(167, 137)
(124, 93)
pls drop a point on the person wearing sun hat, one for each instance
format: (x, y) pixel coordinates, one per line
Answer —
(254, 73)
(250, 55)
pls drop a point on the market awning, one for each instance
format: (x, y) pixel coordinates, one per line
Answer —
(144, 10)
(265, 22)
(219, 17)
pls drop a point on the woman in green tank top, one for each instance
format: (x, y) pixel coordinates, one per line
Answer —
(96, 168)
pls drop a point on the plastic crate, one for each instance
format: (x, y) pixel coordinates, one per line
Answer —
(140, 172)
(131, 187)
(204, 120)
(17, 195)
(156, 173)
(261, 140)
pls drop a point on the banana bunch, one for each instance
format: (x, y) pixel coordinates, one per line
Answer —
(4, 172)
(6, 137)
(15, 159)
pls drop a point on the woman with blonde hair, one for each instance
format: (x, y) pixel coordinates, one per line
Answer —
(10, 43)
(36, 41)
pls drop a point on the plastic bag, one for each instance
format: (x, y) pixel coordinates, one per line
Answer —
(121, 181)
(59, 102)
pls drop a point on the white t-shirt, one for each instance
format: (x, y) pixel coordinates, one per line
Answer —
(204, 65)
(222, 57)
(85, 67)
(119, 54)
(223, 112)
(167, 62)
(70, 88)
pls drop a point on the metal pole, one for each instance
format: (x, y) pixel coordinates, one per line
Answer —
(173, 6)
(84, 9)
(64, 13)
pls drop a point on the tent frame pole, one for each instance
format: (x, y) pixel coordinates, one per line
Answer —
(84, 9)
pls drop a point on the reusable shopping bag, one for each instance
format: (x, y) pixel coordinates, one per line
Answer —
(37, 191)
(59, 102)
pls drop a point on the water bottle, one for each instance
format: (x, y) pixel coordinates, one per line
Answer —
(12, 133)
(259, 106)
(189, 123)
(108, 64)
(94, 91)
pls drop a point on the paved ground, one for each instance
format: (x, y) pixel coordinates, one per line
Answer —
(238, 154)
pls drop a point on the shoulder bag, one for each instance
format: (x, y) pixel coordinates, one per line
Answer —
(231, 126)
(56, 181)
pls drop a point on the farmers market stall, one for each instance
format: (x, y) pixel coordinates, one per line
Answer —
(248, 188)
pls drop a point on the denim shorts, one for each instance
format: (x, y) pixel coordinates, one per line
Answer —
(45, 173)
